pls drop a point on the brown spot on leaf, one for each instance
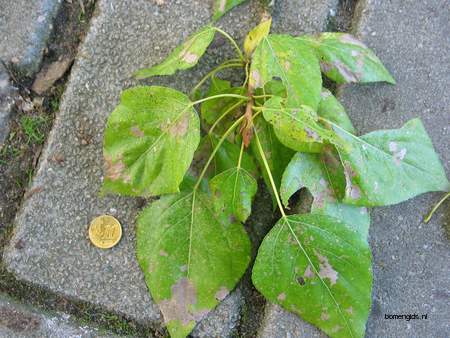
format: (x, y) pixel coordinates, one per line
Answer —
(287, 65)
(351, 189)
(222, 293)
(346, 72)
(308, 272)
(301, 280)
(136, 131)
(326, 271)
(349, 310)
(256, 77)
(180, 128)
(189, 57)
(179, 306)
(324, 316)
(281, 297)
(222, 5)
(163, 253)
(336, 328)
(115, 169)
(312, 134)
(348, 38)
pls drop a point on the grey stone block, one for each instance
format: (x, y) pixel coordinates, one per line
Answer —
(52, 224)
(21, 321)
(411, 259)
(7, 94)
(25, 27)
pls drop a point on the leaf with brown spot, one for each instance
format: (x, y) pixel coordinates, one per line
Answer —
(324, 272)
(390, 166)
(344, 59)
(149, 141)
(182, 57)
(205, 255)
(310, 171)
(223, 6)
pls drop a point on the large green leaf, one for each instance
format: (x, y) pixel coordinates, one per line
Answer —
(281, 56)
(277, 155)
(309, 171)
(296, 127)
(191, 256)
(213, 109)
(182, 57)
(390, 166)
(235, 188)
(319, 268)
(331, 109)
(149, 141)
(345, 59)
(223, 6)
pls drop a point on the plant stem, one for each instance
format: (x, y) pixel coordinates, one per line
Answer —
(261, 96)
(222, 139)
(269, 174)
(427, 219)
(219, 96)
(213, 72)
(238, 50)
(223, 115)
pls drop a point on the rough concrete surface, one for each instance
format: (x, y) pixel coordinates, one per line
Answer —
(7, 92)
(25, 27)
(411, 259)
(21, 321)
(52, 224)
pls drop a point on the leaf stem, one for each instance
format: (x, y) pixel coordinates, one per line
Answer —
(222, 139)
(262, 96)
(269, 173)
(427, 219)
(221, 117)
(214, 71)
(219, 96)
(238, 50)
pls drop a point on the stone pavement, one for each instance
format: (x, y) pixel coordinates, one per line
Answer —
(411, 274)
(6, 102)
(20, 321)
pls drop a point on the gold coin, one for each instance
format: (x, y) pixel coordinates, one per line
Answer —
(105, 231)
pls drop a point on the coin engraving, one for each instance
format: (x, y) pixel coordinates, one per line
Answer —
(105, 231)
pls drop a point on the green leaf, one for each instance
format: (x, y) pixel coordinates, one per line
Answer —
(149, 141)
(319, 268)
(309, 171)
(255, 36)
(296, 65)
(331, 109)
(235, 189)
(390, 166)
(277, 155)
(191, 257)
(223, 6)
(227, 156)
(182, 57)
(344, 59)
(296, 127)
(212, 109)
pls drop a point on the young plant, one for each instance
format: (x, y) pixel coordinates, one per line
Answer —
(280, 123)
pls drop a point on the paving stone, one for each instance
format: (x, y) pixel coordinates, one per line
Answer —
(7, 93)
(52, 223)
(411, 259)
(25, 27)
(411, 270)
(21, 321)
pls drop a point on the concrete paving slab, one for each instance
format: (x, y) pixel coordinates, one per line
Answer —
(52, 224)
(7, 93)
(21, 321)
(25, 27)
(411, 259)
